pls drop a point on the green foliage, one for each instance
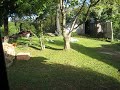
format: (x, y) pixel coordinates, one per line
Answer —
(28, 26)
(108, 11)
(12, 29)
(15, 29)
(2, 31)
(73, 2)
(116, 26)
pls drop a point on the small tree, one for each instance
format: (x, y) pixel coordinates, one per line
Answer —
(39, 31)
(67, 33)
(40, 8)
(58, 20)
(7, 7)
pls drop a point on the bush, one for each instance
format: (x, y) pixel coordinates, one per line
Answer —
(116, 26)
(12, 28)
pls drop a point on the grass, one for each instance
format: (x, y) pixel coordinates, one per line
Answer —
(81, 68)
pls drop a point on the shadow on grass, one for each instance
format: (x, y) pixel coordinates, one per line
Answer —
(36, 74)
(94, 53)
(37, 47)
(28, 44)
(49, 47)
(57, 42)
(22, 41)
(115, 46)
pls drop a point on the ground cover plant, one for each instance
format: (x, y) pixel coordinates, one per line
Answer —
(89, 65)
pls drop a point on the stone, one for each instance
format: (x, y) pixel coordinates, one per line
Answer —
(6, 39)
(9, 53)
(23, 56)
(50, 34)
(49, 40)
(73, 40)
(27, 35)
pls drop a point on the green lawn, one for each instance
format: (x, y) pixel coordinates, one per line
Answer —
(83, 67)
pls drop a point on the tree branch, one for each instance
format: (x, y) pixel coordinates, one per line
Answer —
(95, 3)
(73, 24)
(87, 13)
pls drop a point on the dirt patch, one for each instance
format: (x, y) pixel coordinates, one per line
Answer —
(108, 51)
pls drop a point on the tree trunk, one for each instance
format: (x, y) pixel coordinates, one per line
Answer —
(5, 17)
(58, 31)
(112, 36)
(20, 26)
(6, 25)
(51, 21)
(66, 39)
(4, 85)
(65, 33)
(42, 43)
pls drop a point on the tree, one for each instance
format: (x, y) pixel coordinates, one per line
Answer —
(58, 20)
(37, 8)
(7, 7)
(1, 12)
(42, 12)
(5, 16)
(41, 9)
(67, 33)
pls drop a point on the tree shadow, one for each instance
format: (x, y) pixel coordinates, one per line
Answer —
(57, 42)
(49, 47)
(115, 46)
(94, 52)
(36, 74)
(46, 46)
(35, 46)
(22, 41)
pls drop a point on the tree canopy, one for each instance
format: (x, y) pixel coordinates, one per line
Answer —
(70, 11)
